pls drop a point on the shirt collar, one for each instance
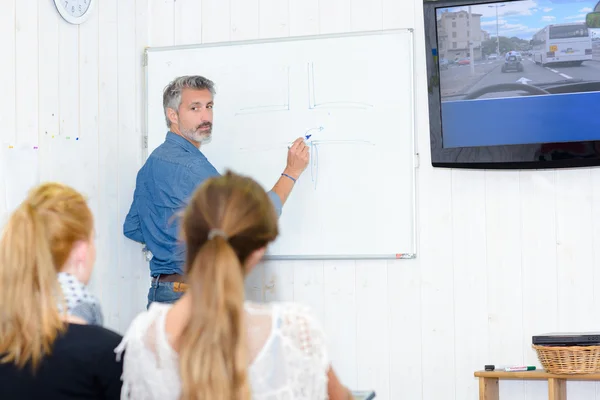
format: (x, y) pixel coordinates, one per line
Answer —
(181, 141)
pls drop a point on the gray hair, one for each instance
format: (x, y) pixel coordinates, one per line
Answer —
(172, 93)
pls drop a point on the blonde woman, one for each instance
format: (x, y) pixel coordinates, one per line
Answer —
(211, 344)
(45, 353)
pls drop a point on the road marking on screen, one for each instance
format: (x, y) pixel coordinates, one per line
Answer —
(566, 76)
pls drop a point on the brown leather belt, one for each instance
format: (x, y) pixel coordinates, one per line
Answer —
(170, 278)
(177, 280)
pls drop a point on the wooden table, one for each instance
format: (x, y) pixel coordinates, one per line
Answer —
(557, 384)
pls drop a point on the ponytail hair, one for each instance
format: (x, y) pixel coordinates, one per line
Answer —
(35, 244)
(214, 338)
(228, 218)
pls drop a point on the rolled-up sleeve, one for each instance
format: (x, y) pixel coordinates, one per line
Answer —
(276, 202)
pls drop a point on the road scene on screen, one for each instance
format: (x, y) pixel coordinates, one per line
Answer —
(542, 44)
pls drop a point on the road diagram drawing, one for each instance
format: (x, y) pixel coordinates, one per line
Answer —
(283, 106)
(315, 137)
(311, 138)
(313, 99)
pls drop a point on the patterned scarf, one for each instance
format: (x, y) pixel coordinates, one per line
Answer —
(80, 302)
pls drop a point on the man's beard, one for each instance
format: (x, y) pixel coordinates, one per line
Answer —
(199, 136)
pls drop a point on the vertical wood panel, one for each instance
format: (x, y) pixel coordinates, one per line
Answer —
(405, 344)
(575, 260)
(108, 150)
(87, 94)
(48, 98)
(68, 77)
(334, 16)
(7, 100)
(595, 187)
(339, 321)
(538, 235)
(187, 21)
(4, 215)
(26, 67)
(304, 17)
(161, 23)
(255, 284)
(24, 108)
(244, 19)
(279, 281)
(575, 252)
(141, 267)
(437, 288)
(309, 287)
(129, 146)
(216, 21)
(274, 18)
(64, 148)
(470, 283)
(401, 14)
(142, 39)
(366, 16)
(8, 75)
(87, 145)
(372, 327)
(504, 297)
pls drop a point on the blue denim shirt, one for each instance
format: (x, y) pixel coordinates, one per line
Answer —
(163, 187)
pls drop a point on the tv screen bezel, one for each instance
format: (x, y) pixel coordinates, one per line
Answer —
(481, 157)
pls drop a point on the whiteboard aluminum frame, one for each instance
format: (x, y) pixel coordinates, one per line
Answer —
(400, 256)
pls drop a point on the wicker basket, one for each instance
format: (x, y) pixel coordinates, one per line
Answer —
(569, 359)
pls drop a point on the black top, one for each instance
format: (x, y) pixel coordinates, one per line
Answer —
(82, 366)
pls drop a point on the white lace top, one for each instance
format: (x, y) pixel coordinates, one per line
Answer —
(286, 346)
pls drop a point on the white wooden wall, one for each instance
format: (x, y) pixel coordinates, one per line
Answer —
(502, 255)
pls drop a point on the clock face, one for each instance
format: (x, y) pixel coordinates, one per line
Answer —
(76, 8)
(74, 11)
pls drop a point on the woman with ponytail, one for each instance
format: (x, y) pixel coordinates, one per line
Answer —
(47, 351)
(211, 344)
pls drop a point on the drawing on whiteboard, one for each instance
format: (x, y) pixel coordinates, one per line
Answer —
(308, 134)
(314, 154)
(314, 144)
(285, 106)
(312, 99)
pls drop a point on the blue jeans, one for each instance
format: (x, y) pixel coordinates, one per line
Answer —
(164, 292)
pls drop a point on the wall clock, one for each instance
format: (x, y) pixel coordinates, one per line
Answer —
(74, 11)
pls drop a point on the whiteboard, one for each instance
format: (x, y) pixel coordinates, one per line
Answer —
(353, 93)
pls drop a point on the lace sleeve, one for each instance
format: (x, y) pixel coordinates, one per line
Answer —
(305, 333)
(149, 364)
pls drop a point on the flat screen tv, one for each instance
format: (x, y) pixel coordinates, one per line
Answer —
(513, 84)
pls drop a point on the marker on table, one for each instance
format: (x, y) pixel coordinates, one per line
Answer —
(515, 368)
(519, 368)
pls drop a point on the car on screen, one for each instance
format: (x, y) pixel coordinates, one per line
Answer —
(512, 63)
